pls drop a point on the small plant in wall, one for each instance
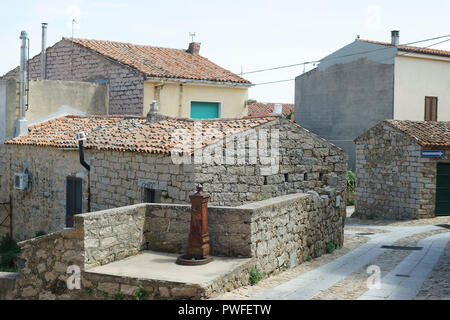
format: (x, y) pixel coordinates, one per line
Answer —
(255, 276)
(141, 294)
(317, 253)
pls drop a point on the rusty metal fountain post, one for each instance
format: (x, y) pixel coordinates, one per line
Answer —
(198, 249)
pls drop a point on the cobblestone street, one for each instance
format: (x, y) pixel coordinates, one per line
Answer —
(404, 274)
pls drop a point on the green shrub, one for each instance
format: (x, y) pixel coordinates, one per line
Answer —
(8, 245)
(330, 247)
(118, 296)
(255, 276)
(317, 253)
(89, 291)
(8, 251)
(351, 181)
(309, 258)
(141, 293)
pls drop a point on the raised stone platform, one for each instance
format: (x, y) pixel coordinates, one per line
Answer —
(161, 277)
(7, 283)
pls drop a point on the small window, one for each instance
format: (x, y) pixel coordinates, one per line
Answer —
(305, 177)
(431, 105)
(151, 196)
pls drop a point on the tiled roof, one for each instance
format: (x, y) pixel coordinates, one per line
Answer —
(425, 133)
(132, 133)
(261, 108)
(161, 62)
(412, 49)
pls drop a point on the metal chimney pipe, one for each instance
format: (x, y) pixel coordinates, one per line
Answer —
(44, 52)
(395, 37)
(23, 73)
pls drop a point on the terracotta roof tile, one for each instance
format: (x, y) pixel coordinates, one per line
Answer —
(261, 108)
(425, 133)
(161, 62)
(132, 133)
(412, 49)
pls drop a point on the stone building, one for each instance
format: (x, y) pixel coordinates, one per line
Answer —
(138, 159)
(403, 170)
(184, 83)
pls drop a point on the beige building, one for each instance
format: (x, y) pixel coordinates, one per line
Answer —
(183, 83)
(48, 100)
(422, 86)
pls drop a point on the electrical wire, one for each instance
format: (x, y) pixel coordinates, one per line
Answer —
(358, 66)
(342, 56)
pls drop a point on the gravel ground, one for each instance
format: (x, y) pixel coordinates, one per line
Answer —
(350, 242)
(355, 285)
(437, 286)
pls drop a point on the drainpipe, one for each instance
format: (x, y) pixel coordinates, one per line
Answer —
(81, 137)
(44, 52)
(21, 124)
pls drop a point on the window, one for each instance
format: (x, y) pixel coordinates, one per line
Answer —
(431, 104)
(151, 196)
(204, 110)
(74, 199)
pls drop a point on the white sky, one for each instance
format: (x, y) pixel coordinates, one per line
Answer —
(254, 34)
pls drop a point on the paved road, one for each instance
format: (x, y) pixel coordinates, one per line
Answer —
(312, 283)
(405, 280)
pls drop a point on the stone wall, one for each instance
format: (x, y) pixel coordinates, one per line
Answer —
(117, 177)
(69, 62)
(277, 234)
(307, 162)
(167, 229)
(42, 207)
(47, 260)
(287, 230)
(392, 180)
(113, 234)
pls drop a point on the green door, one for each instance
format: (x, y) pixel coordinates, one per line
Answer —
(204, 110)
(443, 190)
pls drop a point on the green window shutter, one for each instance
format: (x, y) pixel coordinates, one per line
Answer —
(204, 110)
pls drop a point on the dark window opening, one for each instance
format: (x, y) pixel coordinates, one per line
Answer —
(286, 177)
(320, 176)
(265, 181)
(431, 104)
(149, 195)
(74, 198)
(305, 177)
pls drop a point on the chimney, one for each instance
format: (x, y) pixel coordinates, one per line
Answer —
(194, 48)
(278, 108)
(395, 36)
(21, 124)
(153, 114)
(44, 52)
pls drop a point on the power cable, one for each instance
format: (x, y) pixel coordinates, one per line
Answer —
(342, 56)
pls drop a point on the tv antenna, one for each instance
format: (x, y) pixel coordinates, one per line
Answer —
(73, 26)
(192, 35)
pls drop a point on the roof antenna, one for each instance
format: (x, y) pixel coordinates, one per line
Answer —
(71, 57)
(73, 25)
(192, 35)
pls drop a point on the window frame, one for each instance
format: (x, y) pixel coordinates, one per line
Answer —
(432, 116)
